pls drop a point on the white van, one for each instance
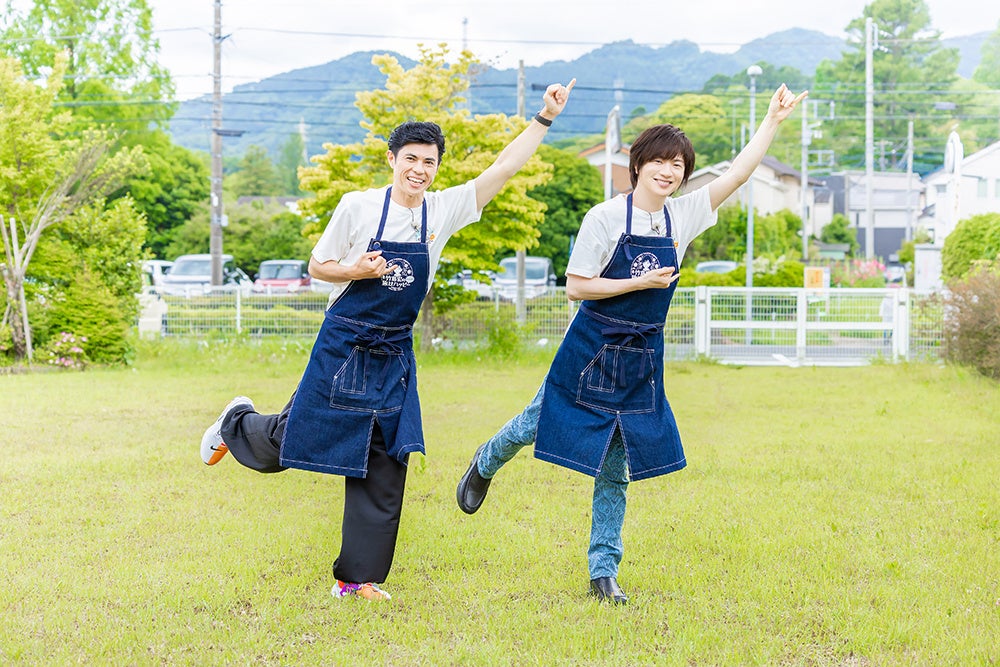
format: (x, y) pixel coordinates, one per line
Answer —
(539, 277)
(191, 275)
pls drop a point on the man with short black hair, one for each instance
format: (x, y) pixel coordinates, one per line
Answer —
(356, 411)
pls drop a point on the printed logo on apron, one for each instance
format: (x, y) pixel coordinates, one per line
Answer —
(643, 264)
(399, 276)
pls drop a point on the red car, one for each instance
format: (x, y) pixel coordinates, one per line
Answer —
(282, 276)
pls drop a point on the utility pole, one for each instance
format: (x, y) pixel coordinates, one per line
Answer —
(909, 179)
(753, 72)
(869, 139)
(215, 235)
(522, 311)
(804, 183)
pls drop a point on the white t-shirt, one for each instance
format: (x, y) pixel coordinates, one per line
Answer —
(690, 215)
(355, 222)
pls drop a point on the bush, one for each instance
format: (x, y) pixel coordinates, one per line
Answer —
(973, 239)
(66, 351)
(858, 273)
(972, 320)
(91, 312)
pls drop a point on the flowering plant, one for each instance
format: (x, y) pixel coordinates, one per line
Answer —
(858, 273)
(65, 351)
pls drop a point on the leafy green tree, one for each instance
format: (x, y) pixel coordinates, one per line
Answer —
(702, 118)
(113, 78)
(434, 90)
(112, 74)
(255, 175)
(777, 234)
(575, 187)
(726, 239)
(260, 231)
(256, 231)
(293, 156)
(910, 68)
(988, 70)
(839, 230)
(168, 194)
(733, 93)
(48, 173)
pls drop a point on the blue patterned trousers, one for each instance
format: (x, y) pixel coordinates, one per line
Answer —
(610, 485)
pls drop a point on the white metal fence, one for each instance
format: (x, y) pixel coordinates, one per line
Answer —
(791, 326)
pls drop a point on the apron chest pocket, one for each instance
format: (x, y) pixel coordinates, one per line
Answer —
(370, 380)
(618, 379)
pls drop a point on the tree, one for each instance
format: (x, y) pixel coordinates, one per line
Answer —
(112, 74)
(910, 69)
(255, 175)
(434, 91)
(839, 230)
(113, 79)
(47, 173)
(169, 193)
(733, 93)
(988, 71)
(293, 156)
(726, 239)
(702, 118)
(575, 187)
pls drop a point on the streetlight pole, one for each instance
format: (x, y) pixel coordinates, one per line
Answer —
(215, 223)
(869, 140)
(753, 72)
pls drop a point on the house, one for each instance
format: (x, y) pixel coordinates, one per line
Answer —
(620, 181)
(896, 204)
(966, 186)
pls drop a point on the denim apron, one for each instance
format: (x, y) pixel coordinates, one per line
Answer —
(608, 372)
(362, 369)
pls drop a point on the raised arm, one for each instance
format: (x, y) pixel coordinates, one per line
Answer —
(783, 102)
(520, 150)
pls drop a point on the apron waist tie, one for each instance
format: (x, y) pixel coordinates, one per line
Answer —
(381, 340)
(629, 331)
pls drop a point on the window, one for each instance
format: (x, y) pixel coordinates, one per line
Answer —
(996, 188)
(981, 189)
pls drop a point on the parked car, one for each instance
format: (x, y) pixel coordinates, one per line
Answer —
(282, 276)
(484, 291)
(539, 277)
(191, 275)
(716, 266)
(153, 271)
(895, 275)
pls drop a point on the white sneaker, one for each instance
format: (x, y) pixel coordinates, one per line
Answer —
(212, 447)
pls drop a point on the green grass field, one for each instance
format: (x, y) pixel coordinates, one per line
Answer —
(827, 516)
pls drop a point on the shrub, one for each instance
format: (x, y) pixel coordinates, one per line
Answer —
(972, 320)
(858, 273)
(66, 351)
(89, 310)
(973, 239)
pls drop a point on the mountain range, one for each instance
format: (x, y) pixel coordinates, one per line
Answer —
(318, 102)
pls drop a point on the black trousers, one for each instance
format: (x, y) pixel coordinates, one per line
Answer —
(372, 505)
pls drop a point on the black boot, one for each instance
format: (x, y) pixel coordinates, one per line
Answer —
(472, 487)
(606, 588)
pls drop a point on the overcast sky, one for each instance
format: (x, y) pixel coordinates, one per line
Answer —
(267, 37)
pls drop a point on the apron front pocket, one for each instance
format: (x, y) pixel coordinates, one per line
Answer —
(618, 379)
(370, 380)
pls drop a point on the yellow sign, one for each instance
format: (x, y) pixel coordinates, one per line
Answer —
(816, 277)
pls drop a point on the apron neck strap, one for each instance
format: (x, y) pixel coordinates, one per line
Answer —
(385, 213)
(628, 218)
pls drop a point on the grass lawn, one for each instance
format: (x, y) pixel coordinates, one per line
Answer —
(827, 516)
